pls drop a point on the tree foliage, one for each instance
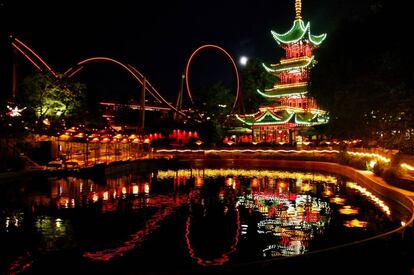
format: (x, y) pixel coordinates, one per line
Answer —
(211, 132)
(254, 77)
(47, 97)
(364, 76)
(215, 102)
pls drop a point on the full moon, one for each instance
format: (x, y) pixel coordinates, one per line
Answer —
(243, 60)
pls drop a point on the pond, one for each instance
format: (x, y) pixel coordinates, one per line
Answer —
(186, 219)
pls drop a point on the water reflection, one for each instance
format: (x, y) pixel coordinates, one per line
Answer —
(167, 206)
(355, 223)
(291, 214)
(367, 194)
(213, 226)
(249, 173)
(13, 221)
(222, 215)
(76, 192)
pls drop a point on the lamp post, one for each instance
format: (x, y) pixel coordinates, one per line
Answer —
(96, 152)
(58, 147)
(87, 152)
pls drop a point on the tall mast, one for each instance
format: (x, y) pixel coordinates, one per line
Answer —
(142, 107)
(14, 79)
(298, 9)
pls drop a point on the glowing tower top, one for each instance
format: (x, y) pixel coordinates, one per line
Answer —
(291, 108)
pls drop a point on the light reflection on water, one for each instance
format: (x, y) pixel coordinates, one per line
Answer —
(222, 215)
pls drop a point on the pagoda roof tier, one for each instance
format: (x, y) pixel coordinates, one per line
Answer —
(288, 86)
(293, 64)
(291, 109)
(297, 33)
(283, 90)
(270, 118)
(290, 64)
(285, 93)
(266, 118)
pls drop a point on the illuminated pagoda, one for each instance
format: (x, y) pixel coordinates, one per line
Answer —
(291, 112)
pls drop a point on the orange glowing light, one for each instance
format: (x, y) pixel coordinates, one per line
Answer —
(105, 140)
(64, 202)
(282, 185)
(229, 181)
(337, 200)
(80, 135)
(199, 142)
(199, 181)
(254, 183)
(327, 193)
(407, 166)
(348, 210)
(355, 223)
(306, 187)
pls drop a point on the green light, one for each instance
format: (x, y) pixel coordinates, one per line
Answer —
(296, 33)
(266, 123)
(299, 29)
(266, 114)
(269, 70)
(295, 68)
(317, 39)
(281, 95)
(299, 121)
(320, 120)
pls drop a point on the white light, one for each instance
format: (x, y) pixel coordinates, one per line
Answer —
(243, 60)
(14, 112)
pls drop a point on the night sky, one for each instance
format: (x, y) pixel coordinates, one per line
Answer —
(155, 36)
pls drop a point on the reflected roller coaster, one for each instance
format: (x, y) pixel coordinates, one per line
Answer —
(42, 66)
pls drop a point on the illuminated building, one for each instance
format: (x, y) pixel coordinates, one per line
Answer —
(291, 112)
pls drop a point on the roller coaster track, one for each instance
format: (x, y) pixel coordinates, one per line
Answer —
(41, 65)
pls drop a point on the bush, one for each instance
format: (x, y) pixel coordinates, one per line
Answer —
(353, 161)
(378, 169)
(389, 174)
(359, 162)
(343, 157)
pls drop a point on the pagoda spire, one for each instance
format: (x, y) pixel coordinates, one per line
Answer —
(298, 9)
